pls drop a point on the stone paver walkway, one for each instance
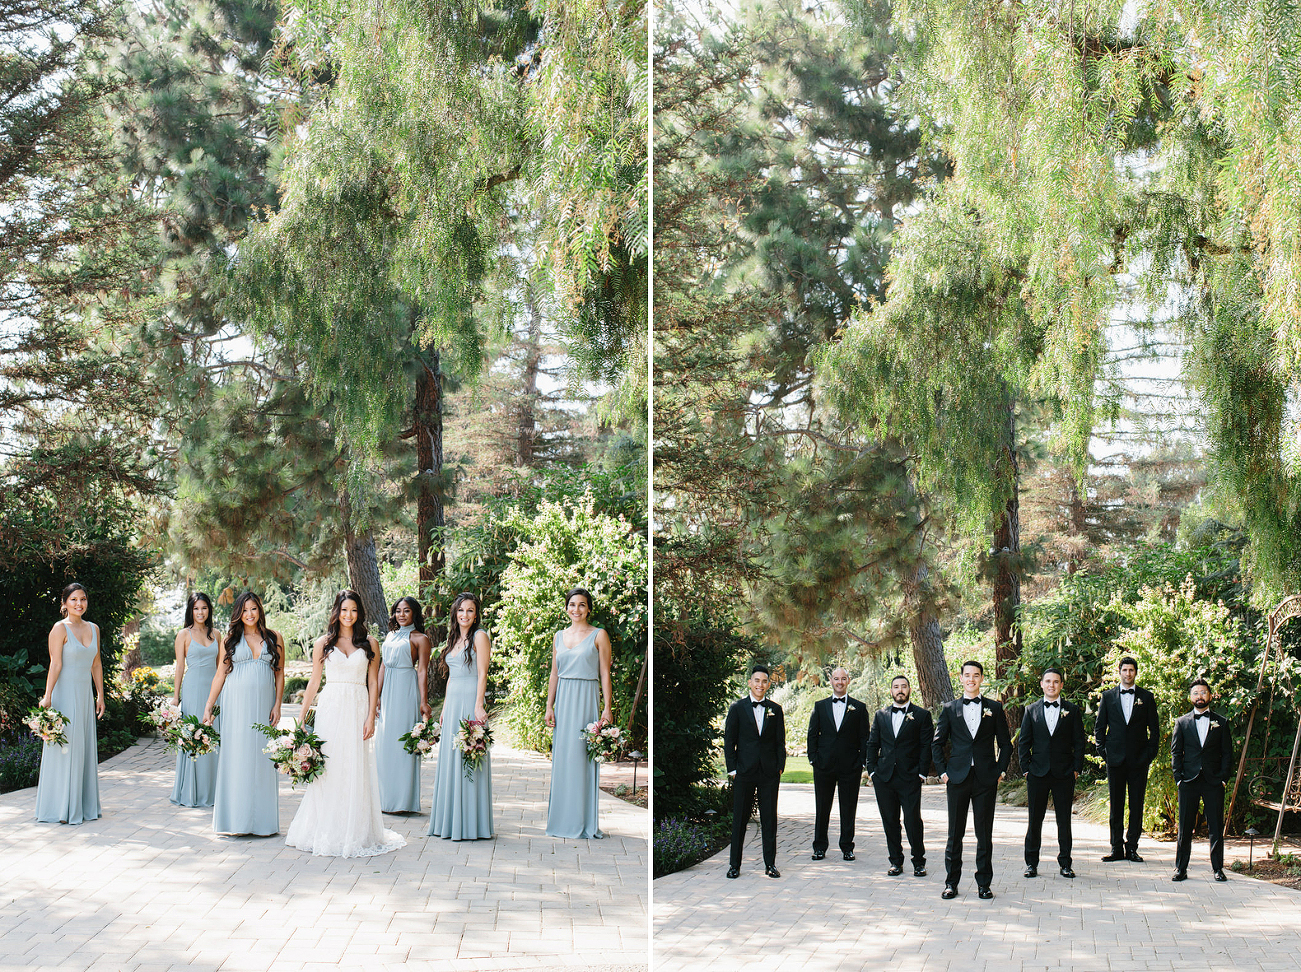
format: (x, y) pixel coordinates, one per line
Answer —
(150, 887)
(833, 915)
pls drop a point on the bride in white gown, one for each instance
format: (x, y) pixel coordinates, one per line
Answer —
(340, 812)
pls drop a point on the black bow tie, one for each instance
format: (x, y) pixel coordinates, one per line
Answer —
(975, 701)
(1201, 715)
(899, 708)
(836, 701)
(1053, 704)
(759, 705)
(1126, 691)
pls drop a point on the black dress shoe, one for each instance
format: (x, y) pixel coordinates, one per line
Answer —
(895, 870)
(1180, 876)
(1115, 856)
(1133, 856)
(818, 855)
(1032, 871)
(772, 872)
(849, 855)
(949, 892)
(734, 872)
(919, 871)
(1066, 872)
(1220, 875)
(985, 893)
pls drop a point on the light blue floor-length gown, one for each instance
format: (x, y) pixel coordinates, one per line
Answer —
(68, 788)
(247, 800)
(399, 710)
(196, 779)
(461, 809)
(575, 781)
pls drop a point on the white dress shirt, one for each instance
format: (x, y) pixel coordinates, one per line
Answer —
(971, 715)
(1052, 713)
(1203, 726)
(1127, 703)
(838, 711)
(758, 714)
(896, 718)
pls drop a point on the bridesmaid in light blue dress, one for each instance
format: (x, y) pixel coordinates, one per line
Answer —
(462, 809)
(402, 680)
(68, 789)
(196, 666)
(580, 673)
(249, 683)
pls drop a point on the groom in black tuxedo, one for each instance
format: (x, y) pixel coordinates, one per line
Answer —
(1201, 755)
(754, 748)
(898, 759)
(1051, 748)
(970, 727)
(1128, 733)
(837, 746)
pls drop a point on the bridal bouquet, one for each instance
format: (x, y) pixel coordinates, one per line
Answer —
(605, 744)
(472, 741)
(166, 715)
(296, 752)
(193, 738)
(48, 725)
(419, 739)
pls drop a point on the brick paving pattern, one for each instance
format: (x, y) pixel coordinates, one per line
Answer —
(149, 887)
(833, 915)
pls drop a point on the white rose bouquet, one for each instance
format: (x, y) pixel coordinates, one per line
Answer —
(605, 744)
(48, 725)
(419, 740)
(473, 739)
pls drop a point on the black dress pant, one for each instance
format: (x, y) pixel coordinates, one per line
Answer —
(744, 791)
(980, 798)
(1126, 779)
(1211, 794)
(1063, 794)
(826, 786)
(893, 798)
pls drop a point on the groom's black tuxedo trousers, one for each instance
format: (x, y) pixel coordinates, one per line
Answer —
(897, 765)
(1050, 761)
(837, 759)
(973, 768)
(757, 758)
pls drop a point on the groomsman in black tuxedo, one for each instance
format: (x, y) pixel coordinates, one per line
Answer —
(1128, 732)
(898, 759)
(837, 746)
(754, 748)
(1051, 749)
(1201, 754)
(970, 727)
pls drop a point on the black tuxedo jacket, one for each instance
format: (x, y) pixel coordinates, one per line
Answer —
(908, 754)
(745, 750)
(1060, 754)
(1188, 757)
(1136, 743)
(839, 751)
(951, 730)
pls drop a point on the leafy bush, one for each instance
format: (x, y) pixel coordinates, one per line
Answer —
(564, 545)
(294, 683)
(696, 668)
(680, 843)
(20, 762)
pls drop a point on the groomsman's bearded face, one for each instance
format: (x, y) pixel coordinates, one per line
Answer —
(900, 690)
(972, 679)
(840, 681)
(1051, 683)
(1201, 697)
(759, 685)
(1127, 675)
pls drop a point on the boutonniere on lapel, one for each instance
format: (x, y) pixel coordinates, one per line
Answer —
(1137, 700)
(985, 713)
(908, 716)
(1215, 723)
(1065, 713)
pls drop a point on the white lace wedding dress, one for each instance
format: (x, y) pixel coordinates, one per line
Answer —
(340, 812)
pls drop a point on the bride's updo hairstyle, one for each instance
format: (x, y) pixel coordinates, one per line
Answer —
(359, 637)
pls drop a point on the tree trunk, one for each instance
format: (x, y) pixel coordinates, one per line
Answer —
(363, 569)
(1007, 580)
(429, 460)
(933, 679)
(526, 426)
(1075, 503)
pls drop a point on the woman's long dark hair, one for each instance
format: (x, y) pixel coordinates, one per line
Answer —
(270, 640)
(417, 614)
(454, 631)
(195, 598)
(359, 636)
(67, 593)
